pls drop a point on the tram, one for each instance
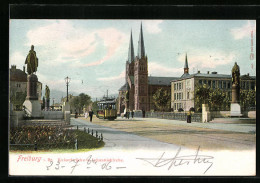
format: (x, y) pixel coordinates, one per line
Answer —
(107, 109)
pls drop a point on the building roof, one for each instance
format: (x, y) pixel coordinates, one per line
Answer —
(17, 75)
(131, 55)
(141, 50)
(160, 80)
(211, 75)
(123, 88)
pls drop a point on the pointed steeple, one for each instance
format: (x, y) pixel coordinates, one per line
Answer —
(186, 68)
(131, 54)
(141, 51)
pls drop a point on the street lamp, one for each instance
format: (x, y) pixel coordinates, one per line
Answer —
(67, 80)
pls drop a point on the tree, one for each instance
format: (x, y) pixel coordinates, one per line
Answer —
(162, 99)
(95, 107)
(80, 101)
(201, 96)
(217, 98)
(247, 98)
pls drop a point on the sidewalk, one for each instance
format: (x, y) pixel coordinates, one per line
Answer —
(244, 128)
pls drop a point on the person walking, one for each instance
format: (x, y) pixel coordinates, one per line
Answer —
(189, 117)
(90, 115)
(132, 113)
(86, 114)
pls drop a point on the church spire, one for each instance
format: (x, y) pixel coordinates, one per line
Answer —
(141, 51)
(131, 54)
(186, 68)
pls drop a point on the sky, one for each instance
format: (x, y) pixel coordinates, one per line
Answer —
(93, 52)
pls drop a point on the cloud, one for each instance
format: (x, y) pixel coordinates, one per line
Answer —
(244, 31)
(157, 69)
(207, 59)
(113, 78)
(61, 42)
(152, 26)
(18, 59)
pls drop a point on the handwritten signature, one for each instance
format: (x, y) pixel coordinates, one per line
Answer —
(180, 160)
(90, 161)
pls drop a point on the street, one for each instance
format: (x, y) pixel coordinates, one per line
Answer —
(149, 133)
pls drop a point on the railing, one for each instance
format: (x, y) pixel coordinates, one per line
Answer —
(182, 116)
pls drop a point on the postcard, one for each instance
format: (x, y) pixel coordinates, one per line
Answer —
(132, 97)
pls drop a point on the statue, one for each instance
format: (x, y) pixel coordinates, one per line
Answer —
(236, 75)
(47, 92)
(31, 61)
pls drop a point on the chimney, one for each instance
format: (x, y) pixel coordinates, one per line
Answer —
(199, 72)
(208, 72)
(248, 74)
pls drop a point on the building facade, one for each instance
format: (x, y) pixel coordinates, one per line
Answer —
(18, 86)
(183, 89)
(137, 92)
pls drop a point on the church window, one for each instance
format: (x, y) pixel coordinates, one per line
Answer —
(214, 84)
(228, 84)
(224, 84)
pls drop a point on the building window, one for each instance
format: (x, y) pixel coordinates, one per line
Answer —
(175, 86)
(188, 95)
(252, 85)
(228, 84)
(179, 86)
(219, 84)
(200, 82)
(209, 83)
(174, 96)
(205, 82)
(224, 84)
(214, 84)
(175, 106)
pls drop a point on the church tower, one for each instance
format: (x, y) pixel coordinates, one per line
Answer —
(186, 68)
(141, 76)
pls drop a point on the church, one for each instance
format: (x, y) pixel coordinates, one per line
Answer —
(137, 92)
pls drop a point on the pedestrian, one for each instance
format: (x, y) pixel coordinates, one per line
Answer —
(90, 115)
(143, 111)
(76, 115)
(132, 113)
(127, 113)
(189, 117)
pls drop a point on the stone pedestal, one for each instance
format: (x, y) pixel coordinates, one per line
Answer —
(206, 117)
(32, 104)
(33, 108)
(235, 110)
(47, 104)
(65, 106)
(32, 87)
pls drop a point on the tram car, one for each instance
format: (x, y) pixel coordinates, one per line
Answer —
(107, 109)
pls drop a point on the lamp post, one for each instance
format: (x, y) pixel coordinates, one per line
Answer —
(67, 80)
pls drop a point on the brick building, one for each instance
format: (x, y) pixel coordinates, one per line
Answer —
(137, 92)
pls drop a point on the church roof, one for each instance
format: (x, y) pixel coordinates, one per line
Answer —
(160, 80)
(186, 62)
(131, 55)
(141, 50)
(124, 87)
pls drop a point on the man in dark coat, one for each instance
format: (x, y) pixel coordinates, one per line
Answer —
(90, 115)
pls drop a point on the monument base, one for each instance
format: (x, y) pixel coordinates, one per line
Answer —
(235, 110)
(65, 106)
(33, 108)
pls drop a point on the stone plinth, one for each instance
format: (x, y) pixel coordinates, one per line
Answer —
(67, 117)
(205, 113)
(235, 110)
(65, 106)
(33, 108)
(32, 87)
(47, 104)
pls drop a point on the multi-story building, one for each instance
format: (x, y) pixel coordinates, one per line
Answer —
(136, 93)
(183, 89)
(18, 86)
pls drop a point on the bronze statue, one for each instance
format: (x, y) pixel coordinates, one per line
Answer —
(47, 92)
(31, 61)
(235, 83)
(236, 75)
